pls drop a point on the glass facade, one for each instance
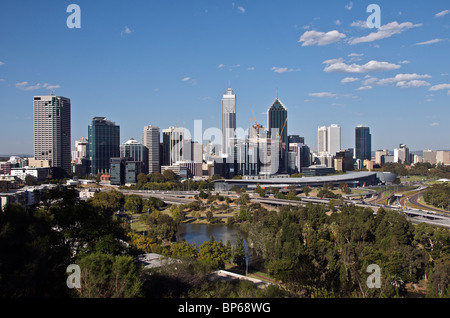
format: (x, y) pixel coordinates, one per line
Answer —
(277, 119)
(104, 144)
(363, 143)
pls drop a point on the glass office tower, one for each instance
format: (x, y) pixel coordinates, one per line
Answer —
(363, 143)
(104, 144)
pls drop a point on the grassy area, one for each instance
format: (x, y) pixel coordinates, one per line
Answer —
(412, 178)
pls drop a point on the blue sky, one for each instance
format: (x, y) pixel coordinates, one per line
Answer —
(168, 63)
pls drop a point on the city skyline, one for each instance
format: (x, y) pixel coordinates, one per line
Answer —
(327, 65)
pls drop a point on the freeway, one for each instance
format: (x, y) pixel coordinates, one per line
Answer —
(414, 215)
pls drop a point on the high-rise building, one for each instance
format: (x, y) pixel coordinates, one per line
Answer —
(151, 140)
(278, 129)
(429, 156)
(51, 127)
(104, 144)
(401, 155)
(80, 152)
(277, 120)
(363, 143)
(329, 139)
(333, 139)
(443, 157)
(322, 140)
(228, 121)
(135, 151)
(79, 157)
(379, 156)
(173, 143)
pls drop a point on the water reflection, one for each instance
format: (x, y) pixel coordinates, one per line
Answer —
(199, 233)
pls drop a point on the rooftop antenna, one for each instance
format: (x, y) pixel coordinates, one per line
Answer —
(277, 92)
(52, 93)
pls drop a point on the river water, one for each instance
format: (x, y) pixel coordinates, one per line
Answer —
(199, 233)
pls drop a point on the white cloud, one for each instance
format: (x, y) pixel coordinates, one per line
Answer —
(320, 38)
(434, 124)
(370, 80)
(360, 24)
(241, 9)
(413, 83)
(364, 88)
(186, 79)
(221, 65)
(384, 31)
(372, 66)
(337, 22)
(442, 13)
(349, 80)
(1, 63)
(2, 79)
(252, 68)
(355, 54)
(439, 87)
(402, 78)
(283, 69)
(404, 62)
(349, 6)
(430, 42)
(126, 30)
(25, 87)
(50, 87)
(322, 94)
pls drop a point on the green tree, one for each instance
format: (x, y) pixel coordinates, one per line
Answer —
(306, 190)
(239, 254)
(107, 276)
(169, 175)
(213, 253)
(33, 256)
(141, 179)
(183, 250)
(133, 203)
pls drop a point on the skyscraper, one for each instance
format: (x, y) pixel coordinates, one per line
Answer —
(363, 143)
(401, 154)
(104, 144)
(228, 121)
(322, 140)
(132, 150)
(151, 140)
(51, 127)
(277, 124)
(173, 142)
(334, 139)
(329, 139)
(277, 119)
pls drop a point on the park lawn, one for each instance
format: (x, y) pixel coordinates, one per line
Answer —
(413, 178)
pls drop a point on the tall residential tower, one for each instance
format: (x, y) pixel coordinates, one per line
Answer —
(151, 140)
(51, 126)
(228, 121)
